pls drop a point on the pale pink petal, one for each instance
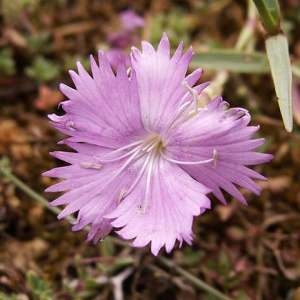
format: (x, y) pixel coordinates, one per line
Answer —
(169, 212)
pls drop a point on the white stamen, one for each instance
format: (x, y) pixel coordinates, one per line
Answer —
(121, 169)
(215, 157)
(143, 206)
(121, 149)
(200, 162)
(194, 94)
(122, 195)
(184, 106)
(103, 160)
(139, 176)
(149, 147)
(125, 165)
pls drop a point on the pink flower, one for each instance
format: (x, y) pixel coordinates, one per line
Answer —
(126, 36)
(130, 20)
(146, 155)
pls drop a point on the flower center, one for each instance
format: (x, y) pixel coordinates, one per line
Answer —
(148, 151)
(145, 154)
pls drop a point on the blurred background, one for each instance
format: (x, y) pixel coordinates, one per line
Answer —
(246, 252)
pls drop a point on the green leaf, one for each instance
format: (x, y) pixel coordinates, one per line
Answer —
(7, 63)
(232, 61)
(278, 55)
(39, 43)
(38, 287)
(269, 12)
(43, 70)
(107, 247)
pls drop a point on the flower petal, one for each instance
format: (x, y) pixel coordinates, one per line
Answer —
(170, 211)
(224, 136)
(160, 79)
(103, 109)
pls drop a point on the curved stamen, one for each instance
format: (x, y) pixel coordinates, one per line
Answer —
(103, 160)
(200, 162)
(127, 162)
(121, 169)
(121, 149)
(144, 204)
(137, 179)
(184, 106)
(194, 94)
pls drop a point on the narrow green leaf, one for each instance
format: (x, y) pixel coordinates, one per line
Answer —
(278, 55)
(232, 61)
(269, 12)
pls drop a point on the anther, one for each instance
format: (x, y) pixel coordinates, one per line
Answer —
(91, 165)
(193, 92)
(122, 195)
(141, 209)
(215, 157)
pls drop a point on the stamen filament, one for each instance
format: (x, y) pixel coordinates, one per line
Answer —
(151, 146)
(121, 149)
(184, 106)
(145, 201)
(139, 176)
(194, 94)
(122, 168)
(103, 160)
(200, 162)
(127, 162)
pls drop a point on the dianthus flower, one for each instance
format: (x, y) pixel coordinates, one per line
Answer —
(146, 153)
(126, 36)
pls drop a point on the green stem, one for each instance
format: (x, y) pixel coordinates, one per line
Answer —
(243, 41)
(193, 279)
(247, 31)
(5, 172)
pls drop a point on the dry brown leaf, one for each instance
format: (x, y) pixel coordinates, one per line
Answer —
(47, 98)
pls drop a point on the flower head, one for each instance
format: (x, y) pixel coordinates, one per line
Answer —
(130, 20)
(146, 154)
(126, 36)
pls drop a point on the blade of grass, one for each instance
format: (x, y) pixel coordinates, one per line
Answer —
(232, 60)
(278, 55)
(269, 12)
(193, 279)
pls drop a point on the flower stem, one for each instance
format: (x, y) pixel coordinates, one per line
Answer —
(193, 279)
(244, 42)
(6, 173)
